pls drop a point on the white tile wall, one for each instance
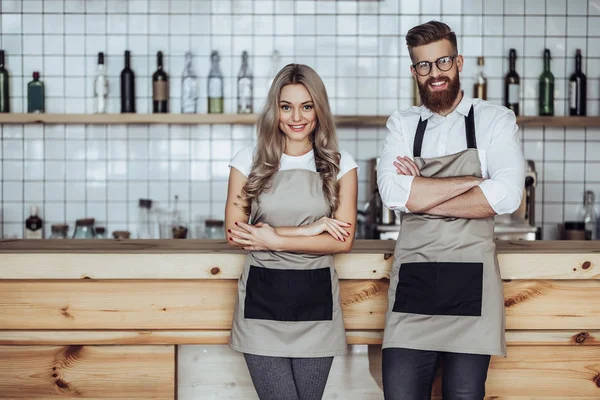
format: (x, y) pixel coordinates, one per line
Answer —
(357, 47)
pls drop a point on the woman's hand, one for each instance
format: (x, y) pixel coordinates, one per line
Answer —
(406, 166)
(330, 225)
(255, 237)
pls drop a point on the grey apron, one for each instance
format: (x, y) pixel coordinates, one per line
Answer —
(288, 303)
(445, 288)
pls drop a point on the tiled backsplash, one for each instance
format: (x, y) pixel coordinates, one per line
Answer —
(357, 47)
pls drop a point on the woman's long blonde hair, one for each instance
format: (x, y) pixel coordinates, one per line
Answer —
(271, 141)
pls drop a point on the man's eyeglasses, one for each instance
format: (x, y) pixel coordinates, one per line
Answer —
(423, 68)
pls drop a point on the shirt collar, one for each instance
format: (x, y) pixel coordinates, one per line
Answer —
(463, 108)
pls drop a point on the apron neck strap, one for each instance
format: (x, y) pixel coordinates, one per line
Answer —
(469, 133)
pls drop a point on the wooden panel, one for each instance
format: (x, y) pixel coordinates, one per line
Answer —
(206, 304)
(163, 266)
(229, 266)
(183, 336)
(116, 372)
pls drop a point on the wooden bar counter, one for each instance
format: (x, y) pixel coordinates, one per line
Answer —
(149, 319)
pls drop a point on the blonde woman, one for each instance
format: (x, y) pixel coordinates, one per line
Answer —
(291, 202)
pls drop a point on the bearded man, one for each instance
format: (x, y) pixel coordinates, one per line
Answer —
(448, 167)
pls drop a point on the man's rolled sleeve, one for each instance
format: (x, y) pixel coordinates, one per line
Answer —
(394, 189)
(506, 167)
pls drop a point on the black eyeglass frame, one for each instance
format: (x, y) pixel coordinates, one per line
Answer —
(436, 62)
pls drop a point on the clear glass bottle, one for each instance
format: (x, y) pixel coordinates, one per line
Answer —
(100, 86)
(84, 229)
(588, 215)
(215, 86)
(274, 68)
(189, 87)
(179, 228)
(480, 85)
(36, 95)
(145, 223)
(245, 85)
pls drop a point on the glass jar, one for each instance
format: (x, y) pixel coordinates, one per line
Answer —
(59, 231)
(100, 232)
(145, 224)
(214, 229)
(84, 229)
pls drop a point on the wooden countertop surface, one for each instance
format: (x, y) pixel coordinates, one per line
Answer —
(221, 246)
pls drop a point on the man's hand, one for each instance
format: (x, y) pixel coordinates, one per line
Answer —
(406, 166)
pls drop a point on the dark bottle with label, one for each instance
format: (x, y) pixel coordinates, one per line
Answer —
(35, 95)
(546, 88)
(577, 89)
(4, 92)
(34, 225)
(160, 87)
(512, 84)
(127, 86)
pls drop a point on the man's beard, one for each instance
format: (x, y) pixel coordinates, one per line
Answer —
(438, 101)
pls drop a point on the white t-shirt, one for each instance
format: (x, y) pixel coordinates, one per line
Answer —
(242, 161)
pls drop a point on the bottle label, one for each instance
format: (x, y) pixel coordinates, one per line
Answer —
(573, 94)
(30, 234)
(160, 91)
(513, 93)
(215, 88)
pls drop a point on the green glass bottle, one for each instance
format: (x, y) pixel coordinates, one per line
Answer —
(546, 99)
(35, 95)
(4, 94)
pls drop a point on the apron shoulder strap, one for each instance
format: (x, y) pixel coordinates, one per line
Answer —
(470, 130)
(419, 138)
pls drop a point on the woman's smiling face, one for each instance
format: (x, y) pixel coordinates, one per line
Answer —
(297, 116)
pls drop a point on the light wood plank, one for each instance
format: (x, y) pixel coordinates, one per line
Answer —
(32, 372)
(204, 304)
(206, 337)
(229, 266)
(163, 266)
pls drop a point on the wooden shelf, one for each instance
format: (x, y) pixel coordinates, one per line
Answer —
(245, 119)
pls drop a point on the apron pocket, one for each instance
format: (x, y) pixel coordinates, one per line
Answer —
(460, 288)
(288, 294)
(445, 288)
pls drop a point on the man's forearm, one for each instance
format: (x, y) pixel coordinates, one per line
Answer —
(428, 193)
(471, 204)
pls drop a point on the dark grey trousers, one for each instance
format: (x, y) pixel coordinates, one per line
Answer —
(408, 374)
(281, 378)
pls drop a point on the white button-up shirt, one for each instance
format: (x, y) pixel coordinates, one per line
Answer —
(500, 153)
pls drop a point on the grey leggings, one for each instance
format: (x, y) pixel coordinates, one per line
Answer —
(281, 378)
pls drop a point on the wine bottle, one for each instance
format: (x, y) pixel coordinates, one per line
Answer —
(480, 85)
(100, 86)
(127, 86)
(245, 87)
(160, 87)
(4, 92)
(546, 88)
(215, 86)
(512, 84)
(34, 225)
(577, 88)
(35, 95)
(189, 87)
